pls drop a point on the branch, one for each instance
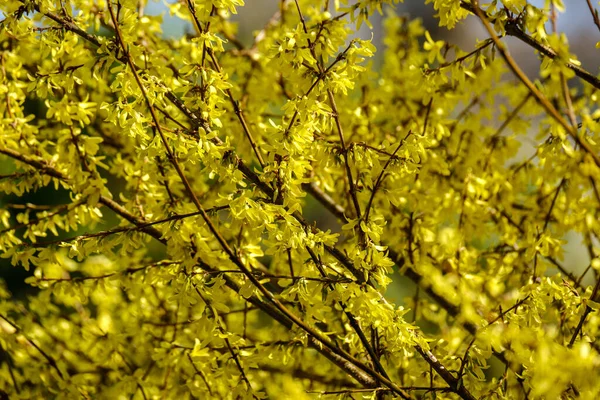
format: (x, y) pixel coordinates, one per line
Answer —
(234, 355)
(41, 165)
(51, 361)
(588, 310)
(336, 117)
(512, 29)
(382, 173)
(352, 319)
(594, 13)
(139, 227)
(234, 103)
(542, 100)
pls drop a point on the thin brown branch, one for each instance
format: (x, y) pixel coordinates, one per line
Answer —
(41, 166)
(381, 176)
(586, 312)
(513, 29)
(352, 319)
(137, 227)
(236, 107)
(541, 99)
(198, 372)
(594, 14)
(340, 130)
(51, 361)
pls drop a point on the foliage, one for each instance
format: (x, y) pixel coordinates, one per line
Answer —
(213, 284)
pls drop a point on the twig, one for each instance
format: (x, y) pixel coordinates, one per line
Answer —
(512, 29)
(336, 117)
(234, 103)
(381, 175)
(542, 100)
(587, 310)
(594, 13)
(48, 358)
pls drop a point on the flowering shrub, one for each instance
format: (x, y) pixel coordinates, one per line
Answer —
(182, 263)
